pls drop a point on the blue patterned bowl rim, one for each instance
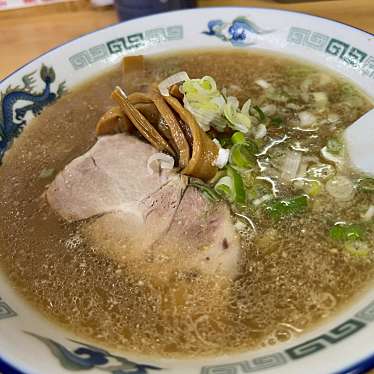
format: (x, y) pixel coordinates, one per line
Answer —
(359, 367)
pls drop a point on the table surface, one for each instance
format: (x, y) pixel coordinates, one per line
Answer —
(26, 33)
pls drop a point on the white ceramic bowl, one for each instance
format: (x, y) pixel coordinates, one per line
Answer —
(31, 344)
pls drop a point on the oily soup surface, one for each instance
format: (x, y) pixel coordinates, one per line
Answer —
(292, 274)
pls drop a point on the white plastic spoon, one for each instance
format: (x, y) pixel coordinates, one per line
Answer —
(359, 140)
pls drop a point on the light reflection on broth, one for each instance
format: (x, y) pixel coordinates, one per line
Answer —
(291, 274)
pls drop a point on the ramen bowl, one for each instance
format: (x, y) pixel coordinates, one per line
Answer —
(30, 343)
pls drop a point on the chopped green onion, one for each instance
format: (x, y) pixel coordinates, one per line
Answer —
(246, 107)
(225, 188)
(252, 146)
(208, 83)
(357, 248)
(312, 187)
(340, 188)
(237, 120)
(279, 208)
(369, 214)
(242, 156)
(366, 184)
(238, 138)
(260, 114)
(225, 141)
(206, 190)
(334, 146)
(344, 232)
(277, 121)
(220, 173)
(240, 196)
(277, 96)
(205, 102)
(321, 99)
(321, 171)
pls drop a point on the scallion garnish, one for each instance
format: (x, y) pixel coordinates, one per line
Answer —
(238, 138)
(277, 121)
(366, 184)
(334, 146)
(225, 188)
(280, 208)
(357, 248)
(207, 191)
(260, 114)
(240, 192)
(242, 156)
(344, 232)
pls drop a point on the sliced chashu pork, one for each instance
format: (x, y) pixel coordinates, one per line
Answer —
(111, 176)
(202, 235)
(149, 219)
(198, 239)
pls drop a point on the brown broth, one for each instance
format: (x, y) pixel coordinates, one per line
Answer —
(292, 275)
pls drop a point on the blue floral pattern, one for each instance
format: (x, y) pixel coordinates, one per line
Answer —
(86, 357)
(239, 32)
